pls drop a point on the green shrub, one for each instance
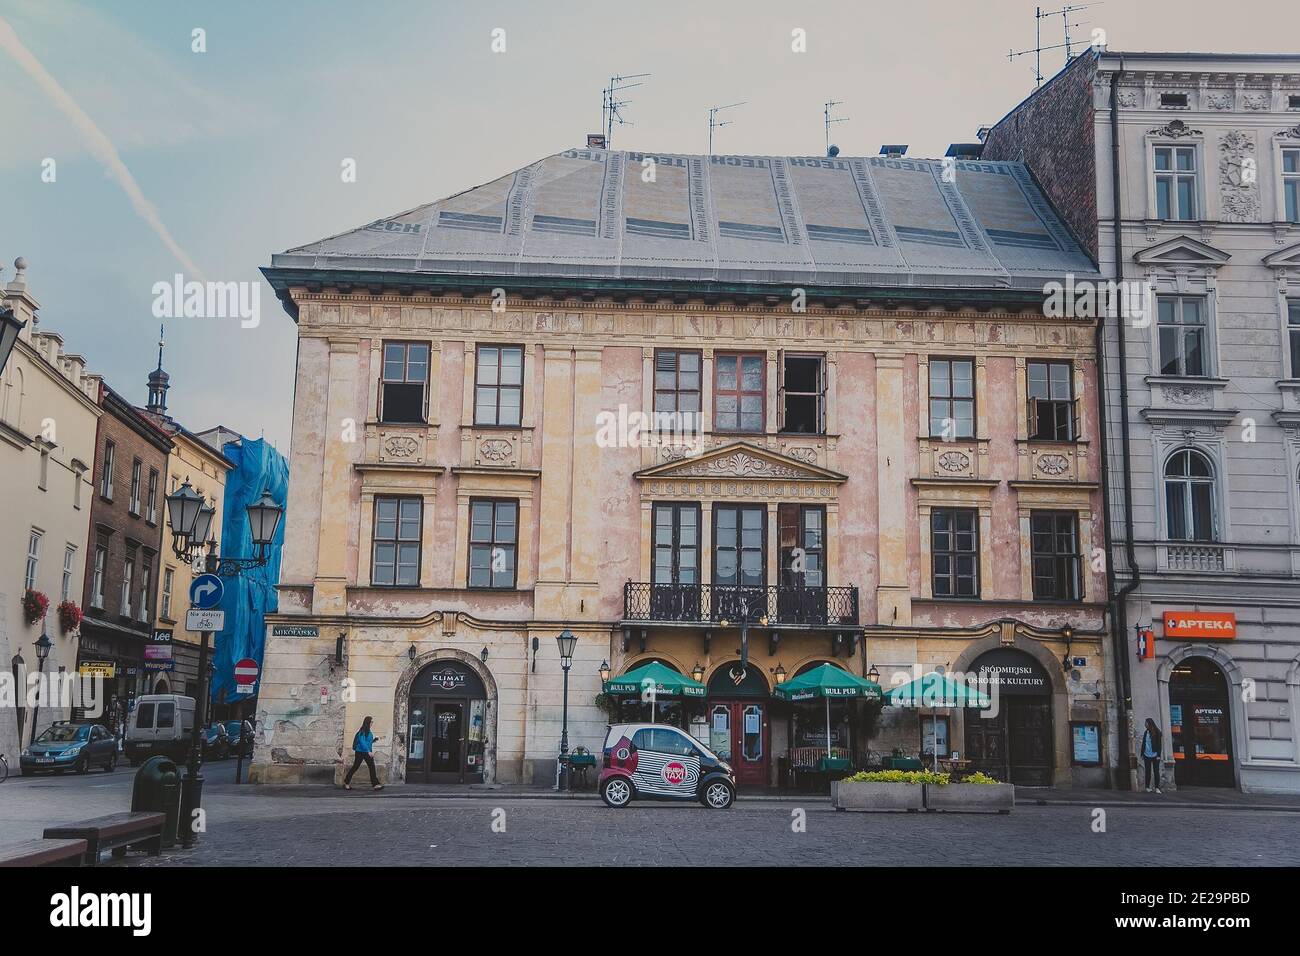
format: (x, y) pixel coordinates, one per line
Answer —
(979, 776)
(897, 776)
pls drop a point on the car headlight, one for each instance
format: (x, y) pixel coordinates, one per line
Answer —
(71, 752)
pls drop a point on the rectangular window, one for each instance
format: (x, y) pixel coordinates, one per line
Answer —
(801, 535)
(1055, 555)
(676, 556)
(136, 468)
(395, 558)
(1293, 334)
(955, 552)
(803, 394)
(142, 608)
(952, 398)
(153, 496)
(740, 545)
(677, 388)
(69, 559)
(739, 392)
(1183, 344)
(499, 385)
(128, 575)
(1052, 410)
(33, 559)
(1176, 182)
(403, 387)
(493, 542)
(97, 586)
(106, 474)
(169, 575)
(1291, 184)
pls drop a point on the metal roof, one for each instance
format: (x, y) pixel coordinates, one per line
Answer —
(871, 222)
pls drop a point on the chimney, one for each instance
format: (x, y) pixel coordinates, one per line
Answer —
(893, 150)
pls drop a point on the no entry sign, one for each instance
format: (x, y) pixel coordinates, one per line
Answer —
(245, 675)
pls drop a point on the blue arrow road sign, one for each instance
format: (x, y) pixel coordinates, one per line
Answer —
(205, 591)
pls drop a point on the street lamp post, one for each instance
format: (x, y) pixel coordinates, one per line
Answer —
(19, 667)
(10, 326)
(567, 642)
(190, 518)
(43, 646)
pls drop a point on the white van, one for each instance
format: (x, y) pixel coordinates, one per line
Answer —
(159, 724)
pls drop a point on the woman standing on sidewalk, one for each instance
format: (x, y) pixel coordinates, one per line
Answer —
(1151, 740)
(362, 744)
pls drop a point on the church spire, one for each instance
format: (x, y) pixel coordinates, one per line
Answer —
(158, 382)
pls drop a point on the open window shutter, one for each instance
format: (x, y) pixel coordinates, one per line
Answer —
(1032, 424)
(1075, 415)
(823, 378)
(780, 390)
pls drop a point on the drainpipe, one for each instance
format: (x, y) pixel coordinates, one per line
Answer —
(1119, 613)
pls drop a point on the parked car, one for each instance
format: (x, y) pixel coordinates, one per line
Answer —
(159, 724)
(660, 762)
(70, 745)
(216, 742)
(235, 730)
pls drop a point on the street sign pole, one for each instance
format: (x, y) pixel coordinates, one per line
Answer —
(192, 784)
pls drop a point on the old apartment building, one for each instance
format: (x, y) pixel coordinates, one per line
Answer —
(875, 450)
(1181, 173)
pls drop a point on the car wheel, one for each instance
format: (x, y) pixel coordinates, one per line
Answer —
(719, 795)
(616, 792)
(82, 765)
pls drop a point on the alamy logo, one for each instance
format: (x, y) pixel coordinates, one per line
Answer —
(75, 909)
(208, 300)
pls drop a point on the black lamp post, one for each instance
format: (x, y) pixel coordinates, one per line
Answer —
(10, 326)
(43, 646)
(567, 642)
(19, 666)
(190, 518)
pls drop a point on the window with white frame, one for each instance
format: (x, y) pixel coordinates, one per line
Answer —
(1189, 496)
(952, 398)
(106, 471)
(1293, 334)
(1176, 182)
(153, 496)
(142, 608)
(128, 577)
(33, 559)
(97, 586)
(69, 559)
(1291, 184)
(169, 575)
(1184, 343)
(136, 468)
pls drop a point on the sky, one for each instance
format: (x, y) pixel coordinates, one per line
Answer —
(168, 160)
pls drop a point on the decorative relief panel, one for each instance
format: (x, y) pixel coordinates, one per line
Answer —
(959, 459)
(493, 448)
(1238, 177)
(397, 444)
(1189, 395)
(1052, 462)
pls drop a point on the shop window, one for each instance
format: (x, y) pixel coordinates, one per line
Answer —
(952, 398)
(677, 390)
(403, 396)
(1183, 339)
(1189, 496)
(493, 543)
(803, 394)
(395, 558)
(1053, 410)
(1176, 188)
(954, 552)
(1055, 555)
(499, 385)
(739, 392)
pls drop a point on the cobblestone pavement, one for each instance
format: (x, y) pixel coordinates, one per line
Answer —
(359, 830)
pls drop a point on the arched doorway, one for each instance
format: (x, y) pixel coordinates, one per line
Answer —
(1016, 744)
(446, 725)
(1200, 724)
(739, 730)
(161, 686)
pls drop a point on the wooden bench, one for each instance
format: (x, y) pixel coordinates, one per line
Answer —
(43, 853)
(118, 832)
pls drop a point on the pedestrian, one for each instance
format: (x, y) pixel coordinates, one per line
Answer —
(362, 743)
(1151, 740)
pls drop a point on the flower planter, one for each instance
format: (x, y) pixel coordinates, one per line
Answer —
(877, 797)
(971, 797)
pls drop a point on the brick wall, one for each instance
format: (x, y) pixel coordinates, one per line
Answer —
(1052, 133)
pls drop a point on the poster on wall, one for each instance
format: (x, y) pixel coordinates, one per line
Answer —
(1085, 740)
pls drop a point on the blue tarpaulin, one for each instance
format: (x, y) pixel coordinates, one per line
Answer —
(251, 595)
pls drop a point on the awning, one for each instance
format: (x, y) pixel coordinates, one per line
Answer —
(665, 681)
(935, 690)
(827, 681)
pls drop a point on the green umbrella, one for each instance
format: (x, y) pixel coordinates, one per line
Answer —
(661, 679)
(827, 681)
(935, 690)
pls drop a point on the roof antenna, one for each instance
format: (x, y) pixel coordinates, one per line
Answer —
(828, 120)
(611, 106)
(715, 123)
(1038, 48)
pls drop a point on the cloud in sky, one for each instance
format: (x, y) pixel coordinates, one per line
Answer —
(99, 144)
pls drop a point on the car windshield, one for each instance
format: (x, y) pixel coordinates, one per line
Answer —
(64, 733)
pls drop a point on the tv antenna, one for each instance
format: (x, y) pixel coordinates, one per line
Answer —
(611, 106)
(715, 123)
(828, 120)
(1038, 48)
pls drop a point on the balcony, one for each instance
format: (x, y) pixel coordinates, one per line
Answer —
(711, 604)
(1196, 557)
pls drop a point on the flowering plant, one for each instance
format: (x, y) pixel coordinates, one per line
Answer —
(35, 604)
(69, 617)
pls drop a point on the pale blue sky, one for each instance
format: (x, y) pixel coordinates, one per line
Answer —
(239, 148)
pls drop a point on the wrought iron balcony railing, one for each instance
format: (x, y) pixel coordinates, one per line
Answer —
(715, 603)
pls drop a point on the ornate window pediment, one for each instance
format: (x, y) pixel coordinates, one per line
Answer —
(1182, 251)
(1288, 258)
(741, 460)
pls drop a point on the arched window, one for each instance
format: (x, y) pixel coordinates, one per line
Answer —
(1189, 496)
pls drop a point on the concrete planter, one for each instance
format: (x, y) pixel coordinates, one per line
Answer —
(971, 797)
(878, 797)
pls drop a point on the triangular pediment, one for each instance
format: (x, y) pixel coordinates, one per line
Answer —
(1288, 258)
(741, 460)
(1182, 250)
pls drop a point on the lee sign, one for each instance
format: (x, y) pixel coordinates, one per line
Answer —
(1214, 625)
